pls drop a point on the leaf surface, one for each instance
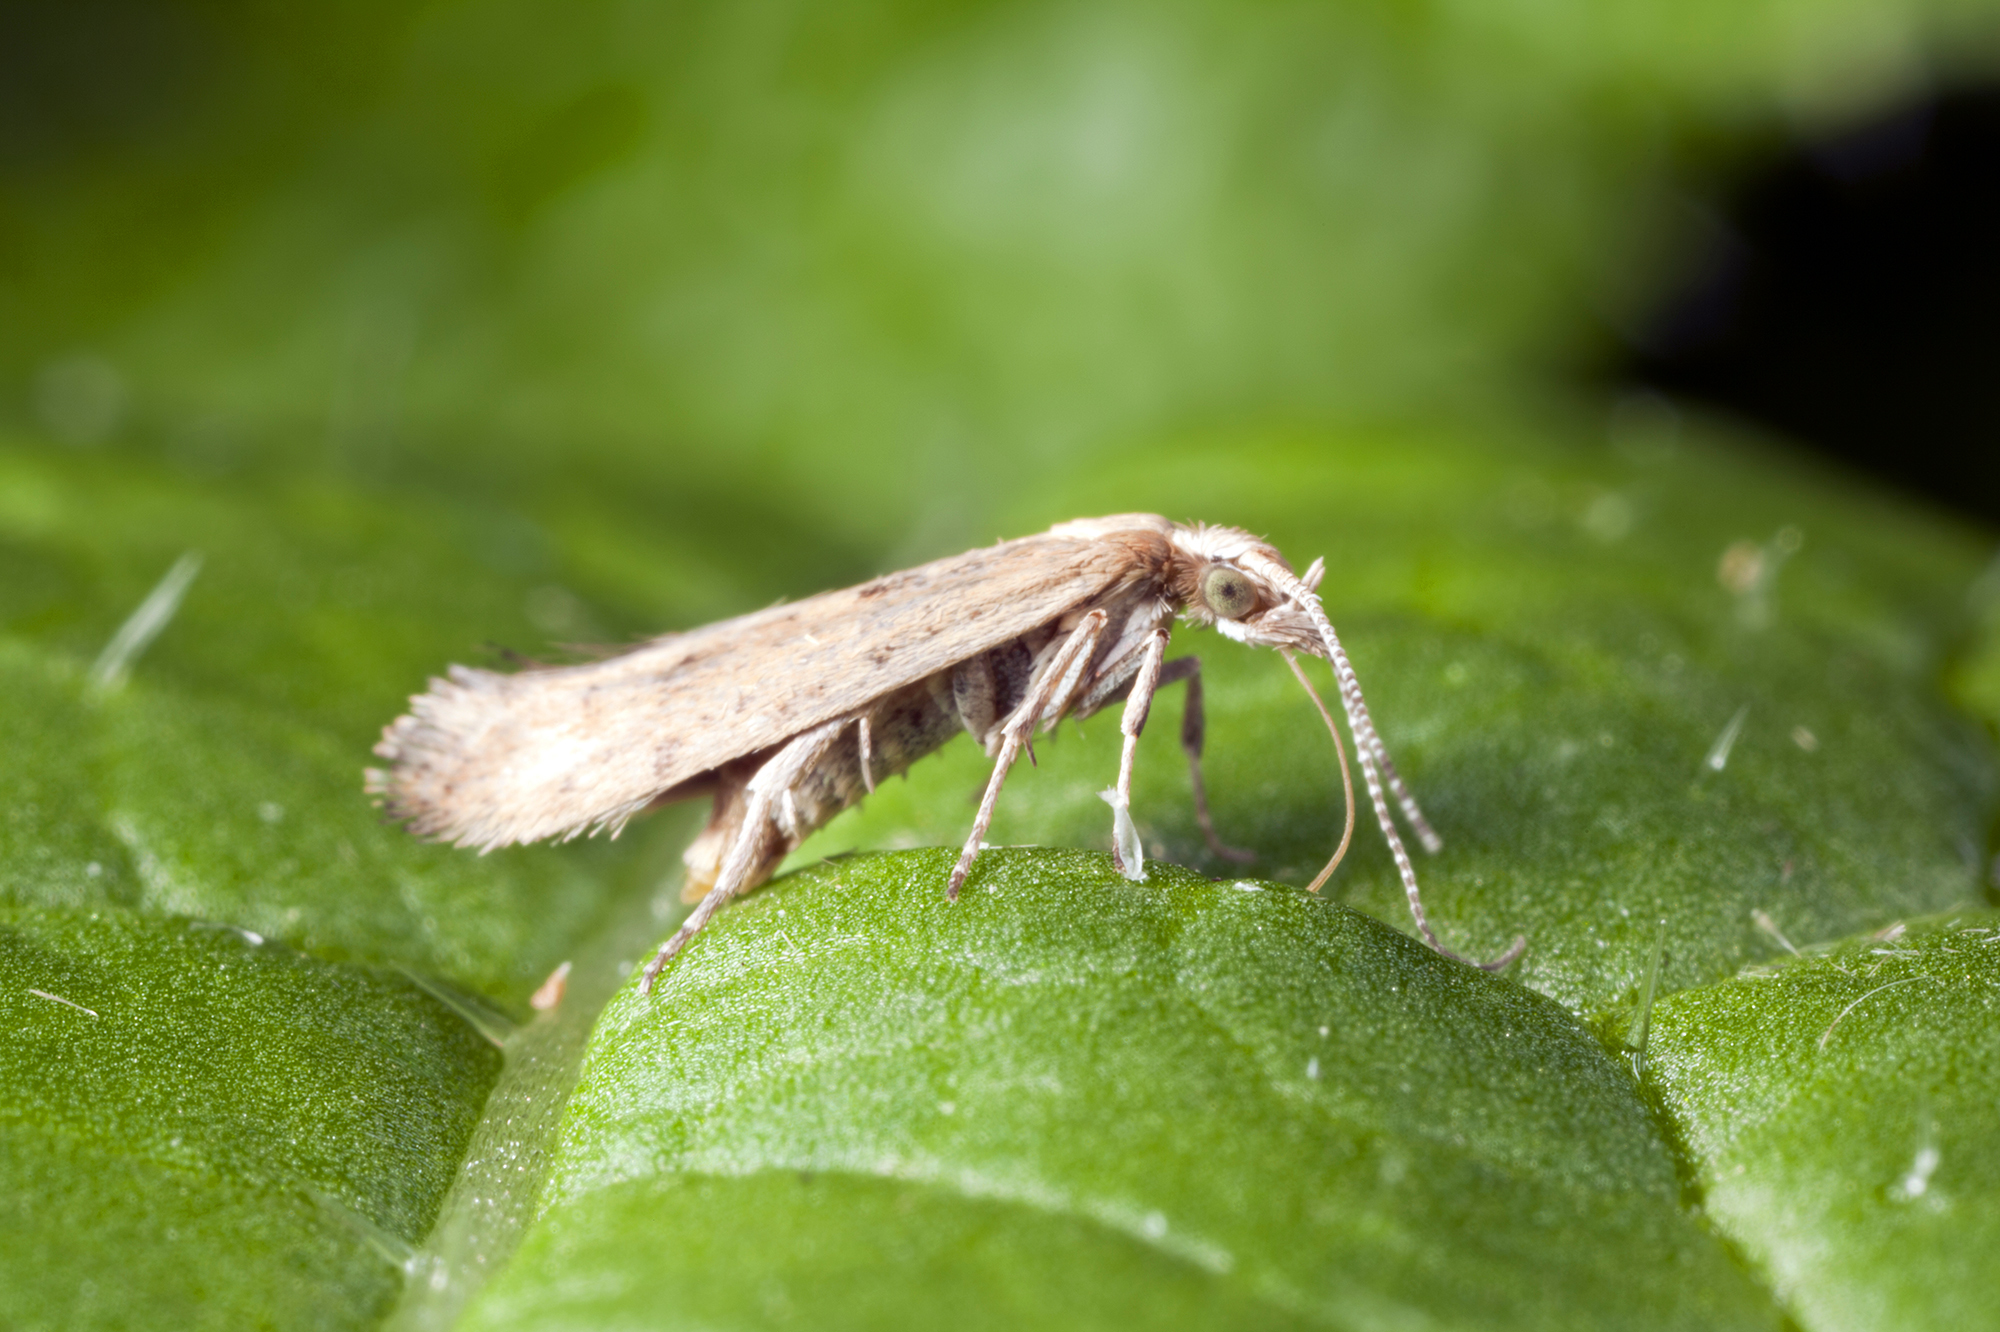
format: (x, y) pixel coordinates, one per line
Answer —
(1842, 1113)
(203, 1129)
(1221, 1102)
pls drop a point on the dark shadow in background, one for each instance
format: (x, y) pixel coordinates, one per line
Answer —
(1853, 302)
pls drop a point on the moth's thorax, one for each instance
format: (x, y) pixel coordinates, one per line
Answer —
(1197, 542)
(1225, 545)
(1176, 555)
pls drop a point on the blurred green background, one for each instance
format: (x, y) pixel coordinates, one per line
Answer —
(439, 330)
(854, 271)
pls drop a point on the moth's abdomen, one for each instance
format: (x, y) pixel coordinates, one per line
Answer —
(903, 726)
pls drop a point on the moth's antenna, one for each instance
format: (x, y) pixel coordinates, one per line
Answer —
(1346, 777)
(1365, 737)
(1369, 749)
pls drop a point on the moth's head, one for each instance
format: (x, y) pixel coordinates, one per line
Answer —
(1225, 577)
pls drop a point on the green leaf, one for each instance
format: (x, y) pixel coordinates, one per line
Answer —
(1205, 1102)
(438, 327)
(1842, 1115)
(206, 1129)
(287, 1043)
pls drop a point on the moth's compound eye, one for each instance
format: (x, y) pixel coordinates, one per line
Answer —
(1228, 592)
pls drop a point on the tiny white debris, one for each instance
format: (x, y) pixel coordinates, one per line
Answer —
(1804, 739)
(1312, 1068)
(1245, 886)
(947, 1107)
(271, 811)
(1718, 753)
(1918, 1181)
(1323, 1032)
(143, 625)
(93, 870)
(1770, 927)
(550, 992)
(58, 999)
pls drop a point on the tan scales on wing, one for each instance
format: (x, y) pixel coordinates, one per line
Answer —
(487, 759)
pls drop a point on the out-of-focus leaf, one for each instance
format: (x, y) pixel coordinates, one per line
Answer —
(1215, 1102)
(809, 262)
(240, 1134)
(205, 1129)
(1842, 1115)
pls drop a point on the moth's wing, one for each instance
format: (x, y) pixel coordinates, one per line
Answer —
(486, 759)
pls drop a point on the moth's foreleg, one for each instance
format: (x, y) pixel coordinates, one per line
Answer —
(1049, 695)
(771, 825)
(1126, 852)
(1194, 737)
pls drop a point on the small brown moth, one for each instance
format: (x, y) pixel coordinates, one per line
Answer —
(789, 715)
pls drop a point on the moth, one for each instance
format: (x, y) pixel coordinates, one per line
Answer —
(787, 716)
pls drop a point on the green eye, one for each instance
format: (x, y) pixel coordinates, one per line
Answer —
(1228, 592)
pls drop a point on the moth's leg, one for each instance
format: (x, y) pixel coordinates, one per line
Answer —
(1126, 853)
(1048, 697)
(749, 850)
(705, 854)
(1111, 687)
(1194, 735)
(864, 739)
(769, 829)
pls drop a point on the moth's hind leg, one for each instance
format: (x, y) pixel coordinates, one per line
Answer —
(1194, 733)
(726, 819)
(766, 827)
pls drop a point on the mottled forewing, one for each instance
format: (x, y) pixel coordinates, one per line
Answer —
(486, 759)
